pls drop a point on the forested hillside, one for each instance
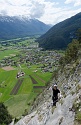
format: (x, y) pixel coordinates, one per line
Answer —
(61, 34)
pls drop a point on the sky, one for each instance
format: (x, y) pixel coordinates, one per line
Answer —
(47, 11)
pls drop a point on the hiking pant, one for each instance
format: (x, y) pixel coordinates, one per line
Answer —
(55, 99)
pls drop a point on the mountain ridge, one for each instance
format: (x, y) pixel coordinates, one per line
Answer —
(61, 34)
(14, 27)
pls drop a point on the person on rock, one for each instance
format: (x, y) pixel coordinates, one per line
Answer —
(56, 91)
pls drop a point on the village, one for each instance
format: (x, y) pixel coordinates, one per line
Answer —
(46, 60)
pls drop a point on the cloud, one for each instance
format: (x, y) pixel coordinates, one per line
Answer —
(3, 12)
(75, 2)
(37, 9)
(48, 11)
(69, 1)
(34, 8)
(15, 7)
(59, 15)
(51, 11)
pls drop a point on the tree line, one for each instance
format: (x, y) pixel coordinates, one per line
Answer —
(72, 51)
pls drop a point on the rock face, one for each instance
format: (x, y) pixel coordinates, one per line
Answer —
(63, 113)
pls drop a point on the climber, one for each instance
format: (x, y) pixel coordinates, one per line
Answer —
(56, 91)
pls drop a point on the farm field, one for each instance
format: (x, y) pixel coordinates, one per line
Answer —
(17, 93)
(8, 53)
(25, 71)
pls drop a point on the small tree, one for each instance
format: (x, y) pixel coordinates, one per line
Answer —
(5, 117)
(72, 51)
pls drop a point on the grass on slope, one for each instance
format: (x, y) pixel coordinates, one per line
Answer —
(19, 103)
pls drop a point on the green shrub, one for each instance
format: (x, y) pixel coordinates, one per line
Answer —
(78, 116)
(76, 107)
(5, 117)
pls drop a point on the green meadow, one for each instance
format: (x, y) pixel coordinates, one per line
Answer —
(8, 53)
(18, 103)
(27, 87)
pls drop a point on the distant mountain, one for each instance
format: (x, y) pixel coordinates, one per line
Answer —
(13, 27)
(61, 34)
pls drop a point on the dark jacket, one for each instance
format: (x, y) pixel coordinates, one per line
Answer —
(55, 92)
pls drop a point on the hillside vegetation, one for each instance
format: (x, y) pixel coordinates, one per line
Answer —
(5, 118)
(61, 34)
(73, 50)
